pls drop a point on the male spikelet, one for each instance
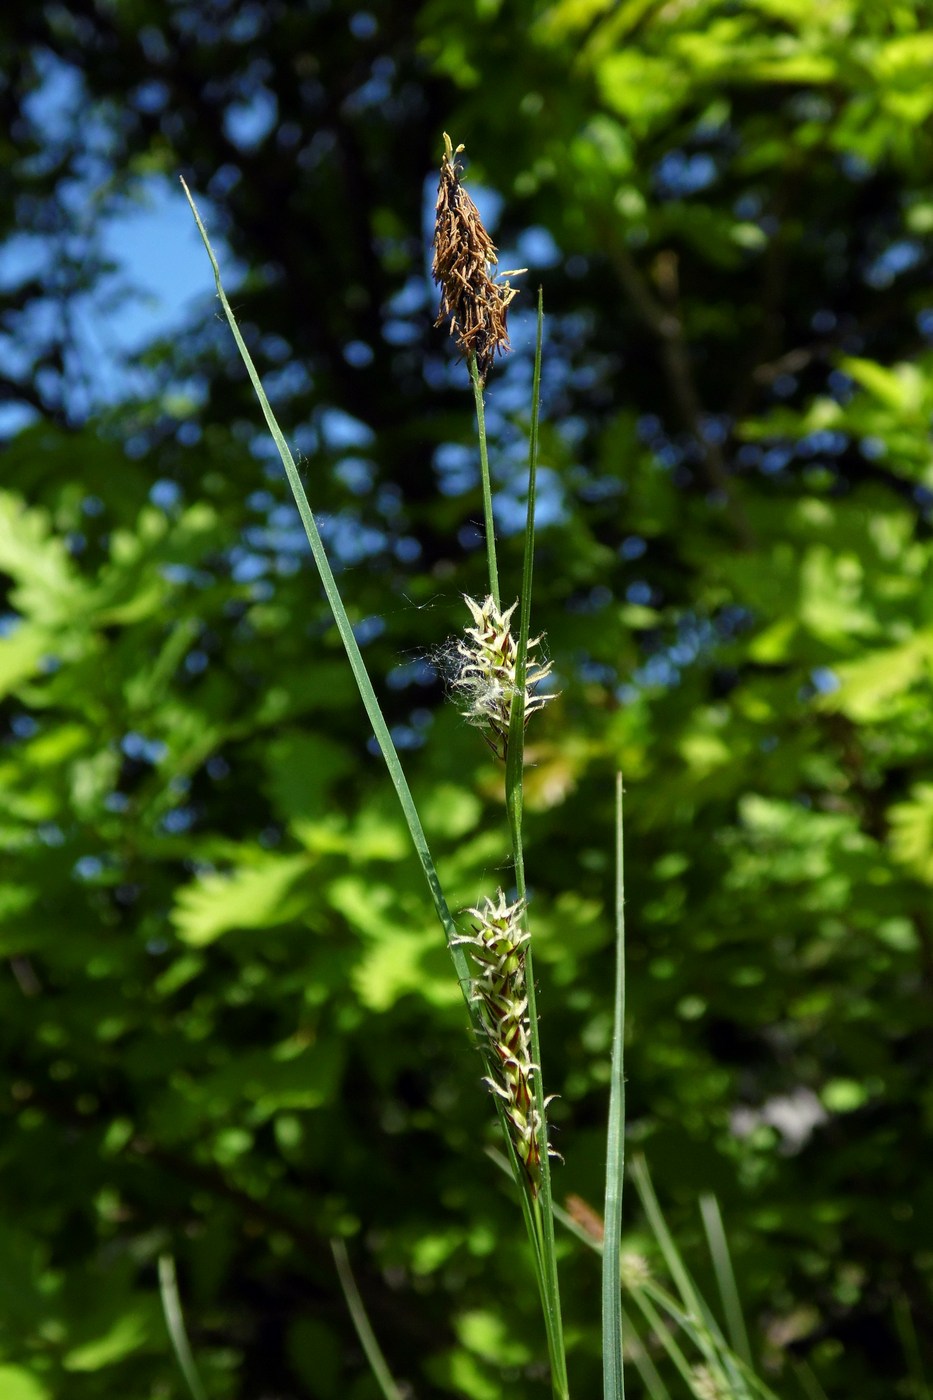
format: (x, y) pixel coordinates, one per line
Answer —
(485, 680)
(497, 946)
(473, 303)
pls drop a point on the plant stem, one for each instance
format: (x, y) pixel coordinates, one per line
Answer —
(175, 1322)
(490, 524)
(367, 1337)
(725, 1277)
(613, 1377)
(541, 1202)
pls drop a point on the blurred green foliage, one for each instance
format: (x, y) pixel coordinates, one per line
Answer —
(229, 1025)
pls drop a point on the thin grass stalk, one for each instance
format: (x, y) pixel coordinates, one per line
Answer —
(613, 1377)
(738, 1384)
(704, 1333)
(809, 1383)
(345, 629)
(175, 1322)
(515, 758)
(367, 694)
(731, 1374)
(488, 519)
(652, 1299)
(540, 1201)
(708, 1335)
(664, 1336)
(365, 1334)
(678, 1271)
(638, 1355)
(725, 1277)
(475, 306)
(907, 1335)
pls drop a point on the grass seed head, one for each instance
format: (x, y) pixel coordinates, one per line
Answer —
(497, 946)
(485, 681)
(465, 259)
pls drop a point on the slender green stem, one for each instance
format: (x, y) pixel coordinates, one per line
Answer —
(613, 1378)
(487, 484)
(515, 756)
(907, 1334)
(725, 1277)
(689, 1293)
(734, 1377)
(650, 1296)
(645, 1367)
(708, 1336)
(541, 1204)
(662, 1334)
(175, 1322)
(808, 1382)
(367, 1337)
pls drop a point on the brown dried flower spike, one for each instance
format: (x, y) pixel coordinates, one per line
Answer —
(464, 254)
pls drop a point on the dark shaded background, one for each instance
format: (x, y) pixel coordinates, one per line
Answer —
(229, 1026)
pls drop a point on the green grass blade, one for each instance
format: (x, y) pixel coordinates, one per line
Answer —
(637, 1354)
(175, 1322)
(613, 1378)
(653, 1301)
(692, 1300)
(490, 525)
(907, 1334)
(809, 1383)
(663, 1335)
(733, 1377)
(344, 627)
(541, 1206)
(515, 760)
(728, 1374)
(367, 1337)
(725, 1277)
(697, 1319)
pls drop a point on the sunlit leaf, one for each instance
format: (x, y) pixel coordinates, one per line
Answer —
(258, 895)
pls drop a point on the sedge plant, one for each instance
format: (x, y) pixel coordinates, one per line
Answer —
(497, 686)
(498, 677)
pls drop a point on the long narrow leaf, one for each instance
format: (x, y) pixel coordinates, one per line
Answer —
(175, 1322)
(908, 1339)
(663, 1335)
(736, 1379)
(367, 1337)
(514, 778)
(344, 627)
(638, 1355)
(653, 1301)
(725, 1277)
(691, 1298)
(613, 1378)
(809, 1383)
